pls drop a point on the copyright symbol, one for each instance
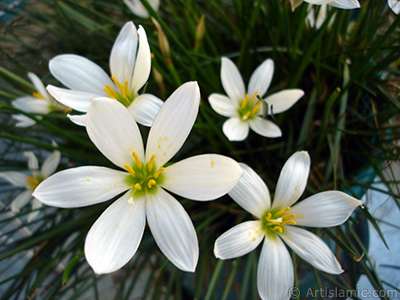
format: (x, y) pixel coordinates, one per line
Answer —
(294, 292)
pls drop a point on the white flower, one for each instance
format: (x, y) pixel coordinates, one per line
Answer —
(130, 65)
(343, 4)
(32, 181)
(276, 224)
(244, 109)
(39, 103)
(394, 5)
(115, 237)
(317, 15)
(138, 9)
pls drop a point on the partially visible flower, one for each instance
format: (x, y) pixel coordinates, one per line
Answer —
(39, 103)
(277, 223)
(138, 9)
(343, 4)
(246, 109)
(394, 5)
(30, 182)
(317, 15)
(130, 65)
(115, 236)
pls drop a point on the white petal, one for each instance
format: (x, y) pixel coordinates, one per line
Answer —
(265, 127)
(123, 53)
(312, 249)
(235, 129)
(144, 108)
(33, 164)
(345, 4)
(50, 164)
(77, 100)
(173, 123)
(222, 105)
(138, 9)
(251, 192)
(36, 204)
(275, 275)
(23, 121)
(82, 186)
(326, 209)
(283, 100)
(143, 62)
(232, 81)
(293, 180)
(172, 229)
(202, 177)
(32, 105)
(78, 119)
(21, 200)
(261, 78)
(16, 178)
(113, 130)
(38, 84)
(115, 237)
(79, 73)
(318, 2)
(239, 240)
(395, 6)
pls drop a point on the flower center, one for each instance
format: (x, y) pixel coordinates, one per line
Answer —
(124, 96)
(32, 182)
(144, 177)
(249, 109)
(37, 95)
(273, 222)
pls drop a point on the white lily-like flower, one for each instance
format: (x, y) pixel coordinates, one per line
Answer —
(244, 109)
(276, 224)
(138, 9)
(394, 5)
(130, 65)
(114, 238)
(30, 182)
(343, 4)
(39, 103)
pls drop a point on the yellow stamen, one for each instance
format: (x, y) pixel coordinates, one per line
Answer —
(247, 115)
(126, 88)
(151, 183)
(138, 187)
(244, 102)
(117, 83)
(288, 216)
(283, 210)
(158, 172)
(32, 181)
(137, 160)
(255, 108)
(268, 217)
(275, 223)
(289, 222)
(110, 92)
(130, 170)
(151, 162)
(253, 97)
(37, 95)
(278, 229)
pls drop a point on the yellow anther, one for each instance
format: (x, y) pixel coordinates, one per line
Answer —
(137, 160)
(37, 95)
(283, 210)
(151, 183)
(268, 217)
(110, 92)
(244, 102)
(32, 181)
(126, 88)
(130, 170)
(158, 172)
(275, 223)
(289, 222)
(253, 97)
(122, 88)
(138, 187)
(255, 108)
(151, 162)
(247, 115)
(278, 229)
(288, 216)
